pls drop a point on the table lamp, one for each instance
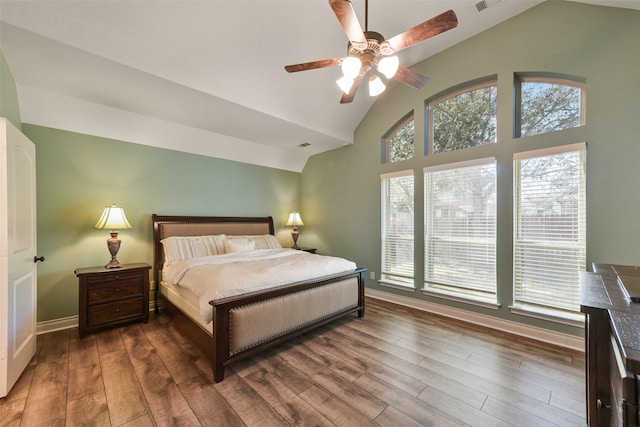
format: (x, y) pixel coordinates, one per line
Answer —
(113, 217)
(294, 221)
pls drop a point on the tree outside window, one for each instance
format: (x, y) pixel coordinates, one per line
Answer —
(464, 119)
(399, 142)
(548, 105)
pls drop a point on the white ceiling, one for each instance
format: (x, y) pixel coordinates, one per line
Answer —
(208, 77)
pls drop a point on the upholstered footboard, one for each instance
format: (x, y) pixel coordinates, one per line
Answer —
(247, 324)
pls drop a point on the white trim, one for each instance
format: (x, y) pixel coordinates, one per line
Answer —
(408, 172)
(460, 297)
(56, 325)
(556, 338)
(462, 164)
(576, 320)
(390, 284)
(578, 146)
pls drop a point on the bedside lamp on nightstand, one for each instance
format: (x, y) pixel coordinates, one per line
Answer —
(113, 217)
(294, 221)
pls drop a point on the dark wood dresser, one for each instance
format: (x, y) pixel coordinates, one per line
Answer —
(112, 297)
(612, 345)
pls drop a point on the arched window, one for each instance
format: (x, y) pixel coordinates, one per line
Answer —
(548, 104)
(463, 119)
(398, 143)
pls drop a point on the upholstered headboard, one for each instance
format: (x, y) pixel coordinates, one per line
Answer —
(166, 226)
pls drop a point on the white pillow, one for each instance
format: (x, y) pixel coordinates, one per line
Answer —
(214, 245)
(264, 241)
(239, 245)
(179, 248)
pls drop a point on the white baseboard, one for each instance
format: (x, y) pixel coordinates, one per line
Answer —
(57, 324)
(557, 338)
(540, 334)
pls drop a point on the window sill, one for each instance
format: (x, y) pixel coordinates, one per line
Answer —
(549, 314)
(466, 299)
(395, 285)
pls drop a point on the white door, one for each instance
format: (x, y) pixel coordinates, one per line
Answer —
(18, 272)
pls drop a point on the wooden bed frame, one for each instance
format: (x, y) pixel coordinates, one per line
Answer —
(217, 347)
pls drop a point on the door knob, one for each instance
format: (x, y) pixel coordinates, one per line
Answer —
(38, 258)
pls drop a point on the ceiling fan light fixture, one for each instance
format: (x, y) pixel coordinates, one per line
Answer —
(388, 66)
(376, 86)
(351, 67)
(367, 51)
(345, 84)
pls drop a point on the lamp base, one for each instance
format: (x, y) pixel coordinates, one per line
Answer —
(113, 244)
(114, 263)
(294, 234)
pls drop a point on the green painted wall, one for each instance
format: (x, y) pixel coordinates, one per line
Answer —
(341, 189)
(78, 175)
(9, 107)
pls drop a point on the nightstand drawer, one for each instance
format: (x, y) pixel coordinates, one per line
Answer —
(114, 311)
(115, 288)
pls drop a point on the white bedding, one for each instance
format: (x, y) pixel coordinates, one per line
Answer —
(220, 276)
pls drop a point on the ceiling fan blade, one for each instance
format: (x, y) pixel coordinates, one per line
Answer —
(312, 65)
(349, 21)
(348, 97)
(410, 77)
(432, 27)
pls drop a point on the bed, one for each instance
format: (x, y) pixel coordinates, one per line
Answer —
(245, 320)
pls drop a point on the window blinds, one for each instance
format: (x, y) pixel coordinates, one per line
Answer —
(460, 228)
(397, 228)
(549, 229)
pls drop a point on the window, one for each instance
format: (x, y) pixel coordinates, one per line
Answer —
(397, 228)
(460, 229)
(548, 105)
(398, 144)
(463, 119)
(550, 231)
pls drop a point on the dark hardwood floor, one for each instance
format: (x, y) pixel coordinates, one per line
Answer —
(395, 367)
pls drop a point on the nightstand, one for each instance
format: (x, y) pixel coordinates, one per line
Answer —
(112, 297)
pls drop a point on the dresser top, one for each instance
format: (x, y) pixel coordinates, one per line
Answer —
(99, 270)
(601, 291)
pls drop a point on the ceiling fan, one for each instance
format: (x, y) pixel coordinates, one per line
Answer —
(369, 52)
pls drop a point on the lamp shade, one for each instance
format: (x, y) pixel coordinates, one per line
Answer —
(294, 220)
(113, 217)
(389, 66)
(351, 67)
(376, 86)
(345, 83)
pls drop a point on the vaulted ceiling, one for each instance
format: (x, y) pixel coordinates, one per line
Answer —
(208, 77)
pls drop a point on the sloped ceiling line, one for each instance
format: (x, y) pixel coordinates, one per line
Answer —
(207, 77)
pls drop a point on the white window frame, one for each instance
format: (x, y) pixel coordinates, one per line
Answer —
(460, 287)
(398, 279)
(536, 307)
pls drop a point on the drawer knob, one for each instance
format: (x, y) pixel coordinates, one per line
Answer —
(116, 290)
(601, 405)
(117, 310)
